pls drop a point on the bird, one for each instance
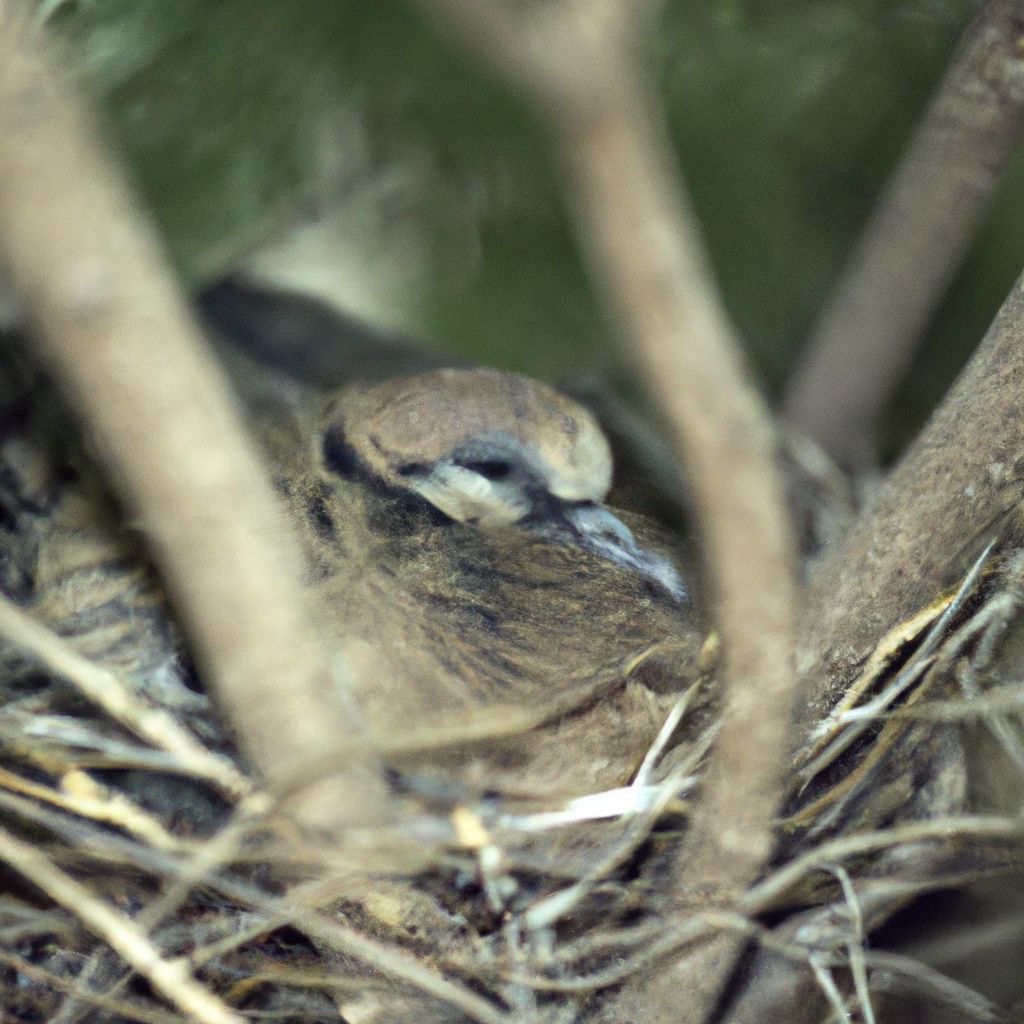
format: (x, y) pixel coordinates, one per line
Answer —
(512, 637)
(457, 529)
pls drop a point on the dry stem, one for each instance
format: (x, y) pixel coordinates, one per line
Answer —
(114, 695)
(117, 1007)
(957, 487)
(915, 240)
(579, 62)
(119, 338)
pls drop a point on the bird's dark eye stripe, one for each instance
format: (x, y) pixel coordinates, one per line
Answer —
(413, 469)
(491, 469)
(339, 457)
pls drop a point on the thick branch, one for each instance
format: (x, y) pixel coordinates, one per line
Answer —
(643, 245)
(119, 338)
(959, 485)
(644, 248)
(915, 240)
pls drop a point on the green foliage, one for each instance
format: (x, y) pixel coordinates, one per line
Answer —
(787, 115)
(212, 103)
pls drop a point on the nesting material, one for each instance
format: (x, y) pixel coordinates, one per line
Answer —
(526, 873)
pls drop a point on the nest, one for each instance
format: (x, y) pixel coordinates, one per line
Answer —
(151, 879)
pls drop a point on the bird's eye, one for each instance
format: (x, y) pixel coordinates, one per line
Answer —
(490, 469)
(413, 469)
(338, 455)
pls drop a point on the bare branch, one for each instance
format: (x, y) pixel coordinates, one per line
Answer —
(915, 240)
(957, 487)
(119, 337)
(645, 249)
(643, 244)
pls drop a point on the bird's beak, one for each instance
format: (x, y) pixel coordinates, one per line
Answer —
(603, 533)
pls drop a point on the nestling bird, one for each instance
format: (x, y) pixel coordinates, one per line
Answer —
(454, 523)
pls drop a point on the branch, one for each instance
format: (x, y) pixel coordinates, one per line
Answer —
(644, 248)
(959, 484)
(119, 338)
(915, 240)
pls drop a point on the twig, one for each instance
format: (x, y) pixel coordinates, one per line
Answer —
(579, 62)
(79, 793)
(935, 511)
(391, 961)
(170, 978)
(769, 892)
(117, 1007)
(110, 692)
(903, 975)
(846, 723)
(114, 329)
(646, 249)
(206, 860)
(855, 944)
(915, 240)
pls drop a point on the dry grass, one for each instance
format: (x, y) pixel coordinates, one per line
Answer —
(524, 911)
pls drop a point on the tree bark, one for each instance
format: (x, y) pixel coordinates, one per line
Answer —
(959, 485)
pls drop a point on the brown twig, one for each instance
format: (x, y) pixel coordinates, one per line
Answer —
(106, 689)
(111, 324)
(915, 240)
(579, 61)
(957, 487)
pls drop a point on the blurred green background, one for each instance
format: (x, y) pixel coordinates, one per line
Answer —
(349, 145)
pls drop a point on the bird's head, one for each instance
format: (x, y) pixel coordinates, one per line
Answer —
(491, 449)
